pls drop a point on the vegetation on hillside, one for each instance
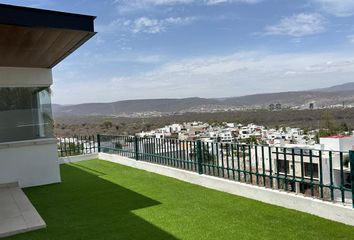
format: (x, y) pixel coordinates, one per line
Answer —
(330, 121)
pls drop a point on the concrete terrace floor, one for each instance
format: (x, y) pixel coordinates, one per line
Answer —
(17, 214)
(103, 200)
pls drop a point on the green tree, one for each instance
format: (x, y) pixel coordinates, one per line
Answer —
(107, 124)
(328, 125)
(174, 135)
(251, 140)
(344, 127)
(328, 121)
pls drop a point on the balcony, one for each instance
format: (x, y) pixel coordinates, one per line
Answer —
(104, 200)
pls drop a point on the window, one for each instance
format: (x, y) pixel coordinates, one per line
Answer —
(25, 114)
(307, 167)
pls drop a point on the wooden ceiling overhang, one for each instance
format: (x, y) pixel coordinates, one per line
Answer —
(37, 38)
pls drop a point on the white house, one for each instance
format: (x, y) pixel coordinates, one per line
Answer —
(338, 143)
(32, 42)
(225, 136)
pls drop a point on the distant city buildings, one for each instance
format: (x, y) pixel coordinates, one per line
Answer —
(312, 105)
(287, 151)
(276, 106)
(251, 133)
(271, 107)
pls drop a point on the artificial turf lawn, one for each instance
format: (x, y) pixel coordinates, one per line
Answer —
(103, 200)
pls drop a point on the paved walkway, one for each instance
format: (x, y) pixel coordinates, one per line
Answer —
(17, 214)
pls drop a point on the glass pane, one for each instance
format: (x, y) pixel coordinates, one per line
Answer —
(25, 113)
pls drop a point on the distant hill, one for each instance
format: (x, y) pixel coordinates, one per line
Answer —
(133, 106)
(322, 97)
(338, 88)
(294, 98)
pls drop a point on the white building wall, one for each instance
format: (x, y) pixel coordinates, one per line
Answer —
(338, 143)
(33, 162)
(330, 144)
(347, 143)
(30, 163)
(25, 77)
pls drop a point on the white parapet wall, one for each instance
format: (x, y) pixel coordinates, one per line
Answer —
(328, 210)
(29, 163)
(78, 158)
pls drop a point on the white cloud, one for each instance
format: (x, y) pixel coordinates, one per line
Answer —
(131, 5)
(214, 2)
(216, 76)
(144, 24)
(340, 8)
(149, 25)
(175, 2)
(298, 25)
(150, 59)
(154, 2)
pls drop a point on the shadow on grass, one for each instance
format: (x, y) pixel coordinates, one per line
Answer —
(84, 206)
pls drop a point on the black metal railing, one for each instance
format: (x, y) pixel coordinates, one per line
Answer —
(322, 174)
(78, 145)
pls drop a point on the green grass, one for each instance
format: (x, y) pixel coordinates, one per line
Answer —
(102, 200)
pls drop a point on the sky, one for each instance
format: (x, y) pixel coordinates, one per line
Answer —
(204, 48)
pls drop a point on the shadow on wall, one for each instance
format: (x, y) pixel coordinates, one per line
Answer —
(85, 206)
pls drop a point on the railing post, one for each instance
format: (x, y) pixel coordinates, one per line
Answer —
(351, 160)
(199, 157)
(136, 147)
(99, 143)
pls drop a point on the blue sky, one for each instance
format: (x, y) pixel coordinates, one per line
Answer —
(204, 48)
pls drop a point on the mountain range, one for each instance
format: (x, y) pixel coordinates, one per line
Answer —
(334, 95)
